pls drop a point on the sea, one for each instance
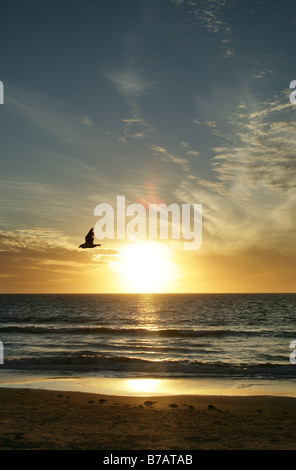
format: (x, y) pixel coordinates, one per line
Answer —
(243, 338)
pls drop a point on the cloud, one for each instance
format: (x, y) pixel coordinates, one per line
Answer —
(251, 203)
(213, 17)
(131, 84)
(166, 156)
(264, 150)
(86, 121)
(228, 52)
(135, 128)
(200, 122)
(209, 124)
(49, 115)
(193, 153)
(43, 255)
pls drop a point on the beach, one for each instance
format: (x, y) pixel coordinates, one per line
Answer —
(36, 419)
(138, 372)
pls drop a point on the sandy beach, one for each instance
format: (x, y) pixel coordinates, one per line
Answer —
(46, 419)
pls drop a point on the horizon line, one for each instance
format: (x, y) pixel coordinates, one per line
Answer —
(145, 293)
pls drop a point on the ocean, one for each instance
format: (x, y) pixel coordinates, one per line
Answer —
(230, 336)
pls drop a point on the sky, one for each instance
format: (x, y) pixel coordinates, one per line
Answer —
(160, 101)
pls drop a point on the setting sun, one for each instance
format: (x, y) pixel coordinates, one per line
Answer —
(147, 267)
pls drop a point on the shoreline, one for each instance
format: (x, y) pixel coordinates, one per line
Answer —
(147, 385)
(55, 420)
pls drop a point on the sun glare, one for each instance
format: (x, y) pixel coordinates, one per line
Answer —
(147, 267)
(143, 385)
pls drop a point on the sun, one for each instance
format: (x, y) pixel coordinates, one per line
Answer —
(147, 267)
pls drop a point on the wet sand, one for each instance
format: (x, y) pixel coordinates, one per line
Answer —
(61, 420)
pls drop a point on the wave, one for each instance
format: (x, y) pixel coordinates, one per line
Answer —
(100, 330)
(169, 368)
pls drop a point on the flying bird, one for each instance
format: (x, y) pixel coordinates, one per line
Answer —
(89, 240)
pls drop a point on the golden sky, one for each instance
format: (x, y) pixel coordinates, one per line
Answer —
(191, 110)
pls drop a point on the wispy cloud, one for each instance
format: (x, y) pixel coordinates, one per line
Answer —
(167, 156)
(264, 150)
(49, 115)
(193, 153)
(135, 128)
(86, 121)
(213, 17)
(131, 84)
(44, 256)
(252, 200)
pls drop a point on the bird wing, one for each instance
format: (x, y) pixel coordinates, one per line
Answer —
(90, 236)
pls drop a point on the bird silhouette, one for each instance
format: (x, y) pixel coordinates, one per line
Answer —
(89, 240)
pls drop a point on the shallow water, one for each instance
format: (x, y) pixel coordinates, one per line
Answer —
(196, 336)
